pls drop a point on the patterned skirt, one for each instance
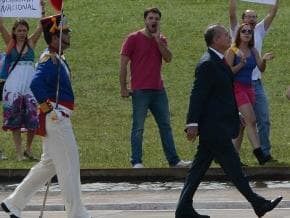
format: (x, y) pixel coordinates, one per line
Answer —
(19, 104)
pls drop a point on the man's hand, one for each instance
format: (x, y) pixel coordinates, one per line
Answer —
(191, 133)
(156, 35)
(56, 115)
(165, 52)
(125, 93)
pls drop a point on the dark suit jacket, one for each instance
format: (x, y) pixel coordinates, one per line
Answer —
(212, 102)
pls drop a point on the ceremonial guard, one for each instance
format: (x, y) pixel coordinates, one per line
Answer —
(52, 89)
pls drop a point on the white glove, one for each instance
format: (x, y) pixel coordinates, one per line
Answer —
(56, 115)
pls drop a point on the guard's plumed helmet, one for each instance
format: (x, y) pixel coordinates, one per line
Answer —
(51, 26)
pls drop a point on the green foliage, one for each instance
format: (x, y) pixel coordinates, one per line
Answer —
(102, 120)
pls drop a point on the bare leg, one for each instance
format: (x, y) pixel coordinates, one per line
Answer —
(238, 141)
(250, 121)
(28, 152)
(17, 142)
(30, 136)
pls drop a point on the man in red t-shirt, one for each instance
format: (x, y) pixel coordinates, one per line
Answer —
(145, 49)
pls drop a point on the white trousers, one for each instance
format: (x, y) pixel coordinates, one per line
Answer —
(60, 156)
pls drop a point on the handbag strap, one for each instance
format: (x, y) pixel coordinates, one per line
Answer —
(17, 58)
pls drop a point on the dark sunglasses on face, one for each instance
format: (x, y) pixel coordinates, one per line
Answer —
(248, 31)
(251, 16)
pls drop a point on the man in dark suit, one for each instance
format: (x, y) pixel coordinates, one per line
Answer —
(213, 115)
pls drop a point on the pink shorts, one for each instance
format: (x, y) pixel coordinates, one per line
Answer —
(244, 94)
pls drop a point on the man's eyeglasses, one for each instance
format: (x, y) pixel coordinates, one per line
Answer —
(248, 31)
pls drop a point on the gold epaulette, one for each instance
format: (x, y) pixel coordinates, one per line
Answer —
(45, 57)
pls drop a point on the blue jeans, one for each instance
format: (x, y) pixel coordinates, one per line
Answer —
(261, 108)
(156, 101)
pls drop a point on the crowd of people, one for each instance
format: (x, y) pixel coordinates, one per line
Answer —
(227, 97)
(146, 48)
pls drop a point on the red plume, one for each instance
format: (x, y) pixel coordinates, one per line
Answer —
(56, 4)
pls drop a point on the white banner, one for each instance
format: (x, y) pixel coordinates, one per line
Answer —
(20, 8)
(268, 2)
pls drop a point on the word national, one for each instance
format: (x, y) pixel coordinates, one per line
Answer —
(16, 5)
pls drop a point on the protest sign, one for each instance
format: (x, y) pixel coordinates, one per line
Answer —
(20, 8)
(268, 2)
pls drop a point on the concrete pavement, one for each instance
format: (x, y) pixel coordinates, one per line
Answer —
(218, 203)
(266, 172)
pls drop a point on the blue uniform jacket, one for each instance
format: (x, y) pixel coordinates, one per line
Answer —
(44, 83)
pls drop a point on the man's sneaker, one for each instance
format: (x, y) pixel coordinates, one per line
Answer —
(270, 159)
(183, 164)
(138, 166)
(2, 156)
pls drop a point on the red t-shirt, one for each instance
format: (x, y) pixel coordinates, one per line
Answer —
(146, 61)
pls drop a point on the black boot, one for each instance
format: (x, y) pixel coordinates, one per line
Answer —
(260, 156)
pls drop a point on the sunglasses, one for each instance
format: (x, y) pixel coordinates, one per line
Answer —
(251, 16)
(248, 31)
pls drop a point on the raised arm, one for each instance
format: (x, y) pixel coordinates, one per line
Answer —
(233, 14)
(4, 33)
(164, 50)
(33, 39)
(270, 16)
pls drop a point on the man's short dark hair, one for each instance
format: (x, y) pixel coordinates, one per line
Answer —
(211, 32)
(152, 10)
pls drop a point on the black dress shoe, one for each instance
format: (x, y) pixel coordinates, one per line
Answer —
(5, 208)
(267, 206)
(192, 214)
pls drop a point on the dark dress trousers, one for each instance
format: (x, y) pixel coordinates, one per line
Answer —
(213, 106)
